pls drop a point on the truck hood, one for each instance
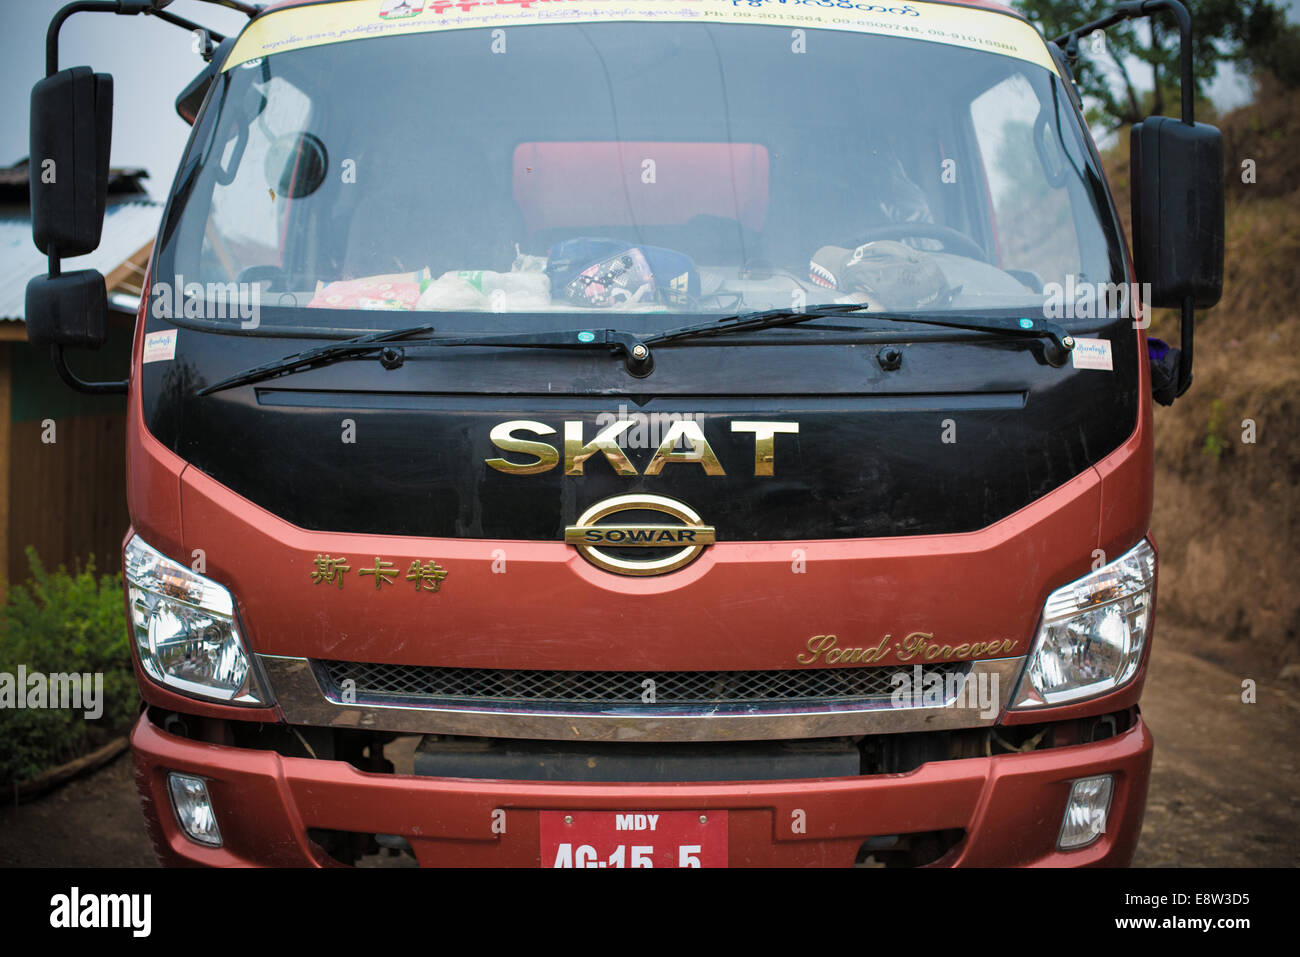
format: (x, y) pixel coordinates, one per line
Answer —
(967, 430)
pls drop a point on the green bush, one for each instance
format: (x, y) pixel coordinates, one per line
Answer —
(1214, 446)
(61, 622)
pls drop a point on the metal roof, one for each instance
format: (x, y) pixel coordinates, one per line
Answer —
(122, 181)
(127, 228)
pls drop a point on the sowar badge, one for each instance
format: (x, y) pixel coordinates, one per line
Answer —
(683, 542)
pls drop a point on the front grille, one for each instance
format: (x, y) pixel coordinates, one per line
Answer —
(417, 684)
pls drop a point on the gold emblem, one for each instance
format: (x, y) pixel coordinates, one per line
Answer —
(918, 645)
(686, 540)
(578, 450)
(426, 575)
(383, 570)
(329, 570)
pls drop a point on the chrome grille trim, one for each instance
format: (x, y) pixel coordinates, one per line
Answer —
(304, 695)
(507, 688)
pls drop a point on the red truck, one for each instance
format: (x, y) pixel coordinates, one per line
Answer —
(759, 473)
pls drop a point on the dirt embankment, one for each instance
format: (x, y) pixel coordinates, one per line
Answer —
(1226, 516)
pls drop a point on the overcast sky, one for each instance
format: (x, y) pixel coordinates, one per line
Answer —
(151, 61)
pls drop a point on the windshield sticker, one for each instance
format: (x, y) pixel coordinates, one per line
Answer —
(398, 9)
(160, 346)
(294, 28)
(1092, 354)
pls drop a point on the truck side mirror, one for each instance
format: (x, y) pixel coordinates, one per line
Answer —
(67, 310)
(191, 98)
(1177, 176)
(71, 131)
(71, 128)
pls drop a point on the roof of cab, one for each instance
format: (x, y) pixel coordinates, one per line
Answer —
(350, 19)
(985, 4)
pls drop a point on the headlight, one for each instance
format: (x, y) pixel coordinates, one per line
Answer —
(1092, 633)
(185, 629)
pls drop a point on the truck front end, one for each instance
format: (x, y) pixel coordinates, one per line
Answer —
(695, 433)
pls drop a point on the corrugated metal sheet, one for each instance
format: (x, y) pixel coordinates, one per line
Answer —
(127, 227)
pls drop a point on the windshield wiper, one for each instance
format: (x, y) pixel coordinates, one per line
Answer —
(1057, 353)
(636, 354)
(635, 350)
(640, 360)
(347, 349)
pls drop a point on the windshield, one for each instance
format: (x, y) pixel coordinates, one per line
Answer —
(637, 168)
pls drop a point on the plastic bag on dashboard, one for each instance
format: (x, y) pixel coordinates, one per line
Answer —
(610, 274)
(398, 291)
(514, 291)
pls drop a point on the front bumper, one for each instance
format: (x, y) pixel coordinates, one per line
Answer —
(1010, 807)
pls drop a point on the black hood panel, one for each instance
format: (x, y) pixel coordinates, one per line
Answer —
(966, 432)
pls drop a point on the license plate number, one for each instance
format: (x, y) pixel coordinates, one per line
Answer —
(634, 838)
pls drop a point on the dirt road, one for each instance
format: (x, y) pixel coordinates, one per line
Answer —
(1225, 788)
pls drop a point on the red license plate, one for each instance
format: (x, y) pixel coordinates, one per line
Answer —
(634, 838)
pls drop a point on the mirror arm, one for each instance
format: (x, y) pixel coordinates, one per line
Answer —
(184, 24)
(121, 8)
(126, 8)
(1186, 325)
(249, 10)
(57, 21)
(1188, 81)
(80, 385)
(1133, 10)
(1186, 322)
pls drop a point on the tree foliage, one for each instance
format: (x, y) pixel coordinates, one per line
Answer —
(1134, 72)
(62, 622)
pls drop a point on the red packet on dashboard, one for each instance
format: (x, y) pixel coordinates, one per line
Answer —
(394, 291)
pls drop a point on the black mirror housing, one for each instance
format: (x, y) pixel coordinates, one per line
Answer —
(67, 310)
(71, 130)
(190, 99)
(1177, 177)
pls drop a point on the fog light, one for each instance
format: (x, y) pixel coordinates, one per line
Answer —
(194, 809)
(1086, 812)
